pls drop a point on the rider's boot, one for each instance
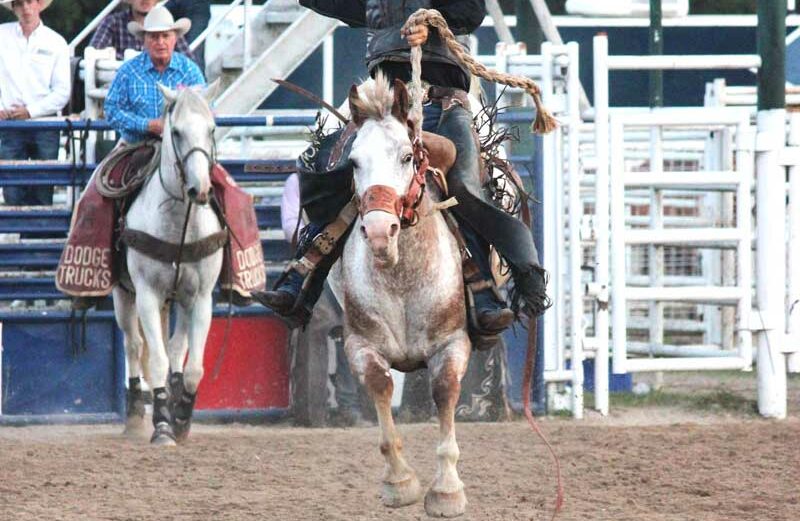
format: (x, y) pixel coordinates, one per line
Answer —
(300, 286)
(487, 310)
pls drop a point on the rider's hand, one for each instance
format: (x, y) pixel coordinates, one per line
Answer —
(417, 35)
(3, 114)
(18, 112)
(155, 126)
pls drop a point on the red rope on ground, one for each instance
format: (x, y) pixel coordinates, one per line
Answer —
(527, 379)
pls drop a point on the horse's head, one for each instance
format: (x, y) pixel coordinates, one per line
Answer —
(189, 138)
(383, 161)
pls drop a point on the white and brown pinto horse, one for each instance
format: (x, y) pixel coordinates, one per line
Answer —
(403, 294)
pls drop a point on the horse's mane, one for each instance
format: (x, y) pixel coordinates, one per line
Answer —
(376, 98)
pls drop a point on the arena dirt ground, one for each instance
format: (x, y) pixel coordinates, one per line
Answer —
(670, 458)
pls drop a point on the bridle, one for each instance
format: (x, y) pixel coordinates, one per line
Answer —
(386, 198)
(180, 161)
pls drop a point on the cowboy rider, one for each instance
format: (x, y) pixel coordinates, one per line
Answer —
(447, 113)
(134, 103)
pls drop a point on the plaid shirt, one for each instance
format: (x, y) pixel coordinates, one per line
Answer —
(134, 98)
(113, 32)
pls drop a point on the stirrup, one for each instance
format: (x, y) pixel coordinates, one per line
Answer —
(482, 339)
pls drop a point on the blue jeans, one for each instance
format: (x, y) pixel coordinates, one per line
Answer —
(21, 145)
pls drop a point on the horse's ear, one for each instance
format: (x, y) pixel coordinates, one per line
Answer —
(169, 95)
(211, 92)
(357, 113)
(401, 104)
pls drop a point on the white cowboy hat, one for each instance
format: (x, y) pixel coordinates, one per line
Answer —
(7, 4)
(157, 21)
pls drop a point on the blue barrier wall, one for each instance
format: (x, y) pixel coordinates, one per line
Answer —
(47, 370)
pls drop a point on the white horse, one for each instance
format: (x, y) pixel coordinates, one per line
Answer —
(403, 295)
(172, 207)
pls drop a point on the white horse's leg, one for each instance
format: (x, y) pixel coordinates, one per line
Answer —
(148, 306)
(400, 484)
(198, 326)
(176, 351)
(128, 322)
(446, 496)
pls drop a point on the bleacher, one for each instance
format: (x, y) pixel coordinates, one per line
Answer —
(27, 266)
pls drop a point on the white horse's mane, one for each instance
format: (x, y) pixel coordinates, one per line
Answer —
(376, 98)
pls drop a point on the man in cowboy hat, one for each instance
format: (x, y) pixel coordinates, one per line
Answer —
(34, 83)
(113, 30)
(134, 103)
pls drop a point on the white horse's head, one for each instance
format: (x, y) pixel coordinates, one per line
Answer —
(189, 138)
(383, 163)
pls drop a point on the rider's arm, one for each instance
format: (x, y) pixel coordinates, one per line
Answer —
(462, 16)
(351, 12)
(117, 106)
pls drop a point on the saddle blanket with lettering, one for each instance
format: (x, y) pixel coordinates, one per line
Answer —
(91, 262)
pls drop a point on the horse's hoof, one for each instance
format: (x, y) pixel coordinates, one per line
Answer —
(401, 493)
(163, 436)
(445, 504)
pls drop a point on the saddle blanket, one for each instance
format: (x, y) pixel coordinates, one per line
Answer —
(91, 262)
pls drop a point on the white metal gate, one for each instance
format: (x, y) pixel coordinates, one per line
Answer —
(737, 179)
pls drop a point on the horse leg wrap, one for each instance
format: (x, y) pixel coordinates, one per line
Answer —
(175, 390)
(135, 398)
(161, 412)
(183, 415)
(162, 419)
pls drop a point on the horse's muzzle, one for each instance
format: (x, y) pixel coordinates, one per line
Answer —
(198, 197)
(380, 229)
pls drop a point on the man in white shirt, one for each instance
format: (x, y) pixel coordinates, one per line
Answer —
(34, 83)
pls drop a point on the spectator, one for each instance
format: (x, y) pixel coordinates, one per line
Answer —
(113, 30)
(199, 13)
(134, 103)
(34, 83)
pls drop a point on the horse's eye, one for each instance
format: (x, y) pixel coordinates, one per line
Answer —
(407, 158)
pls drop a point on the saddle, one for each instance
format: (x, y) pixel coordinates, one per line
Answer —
(92, 261)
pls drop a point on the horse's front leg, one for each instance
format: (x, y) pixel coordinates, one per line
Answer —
(199, 324)
(176, 351)
(148, 305)
(128, 322)
(446, 496)
(400, 484)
